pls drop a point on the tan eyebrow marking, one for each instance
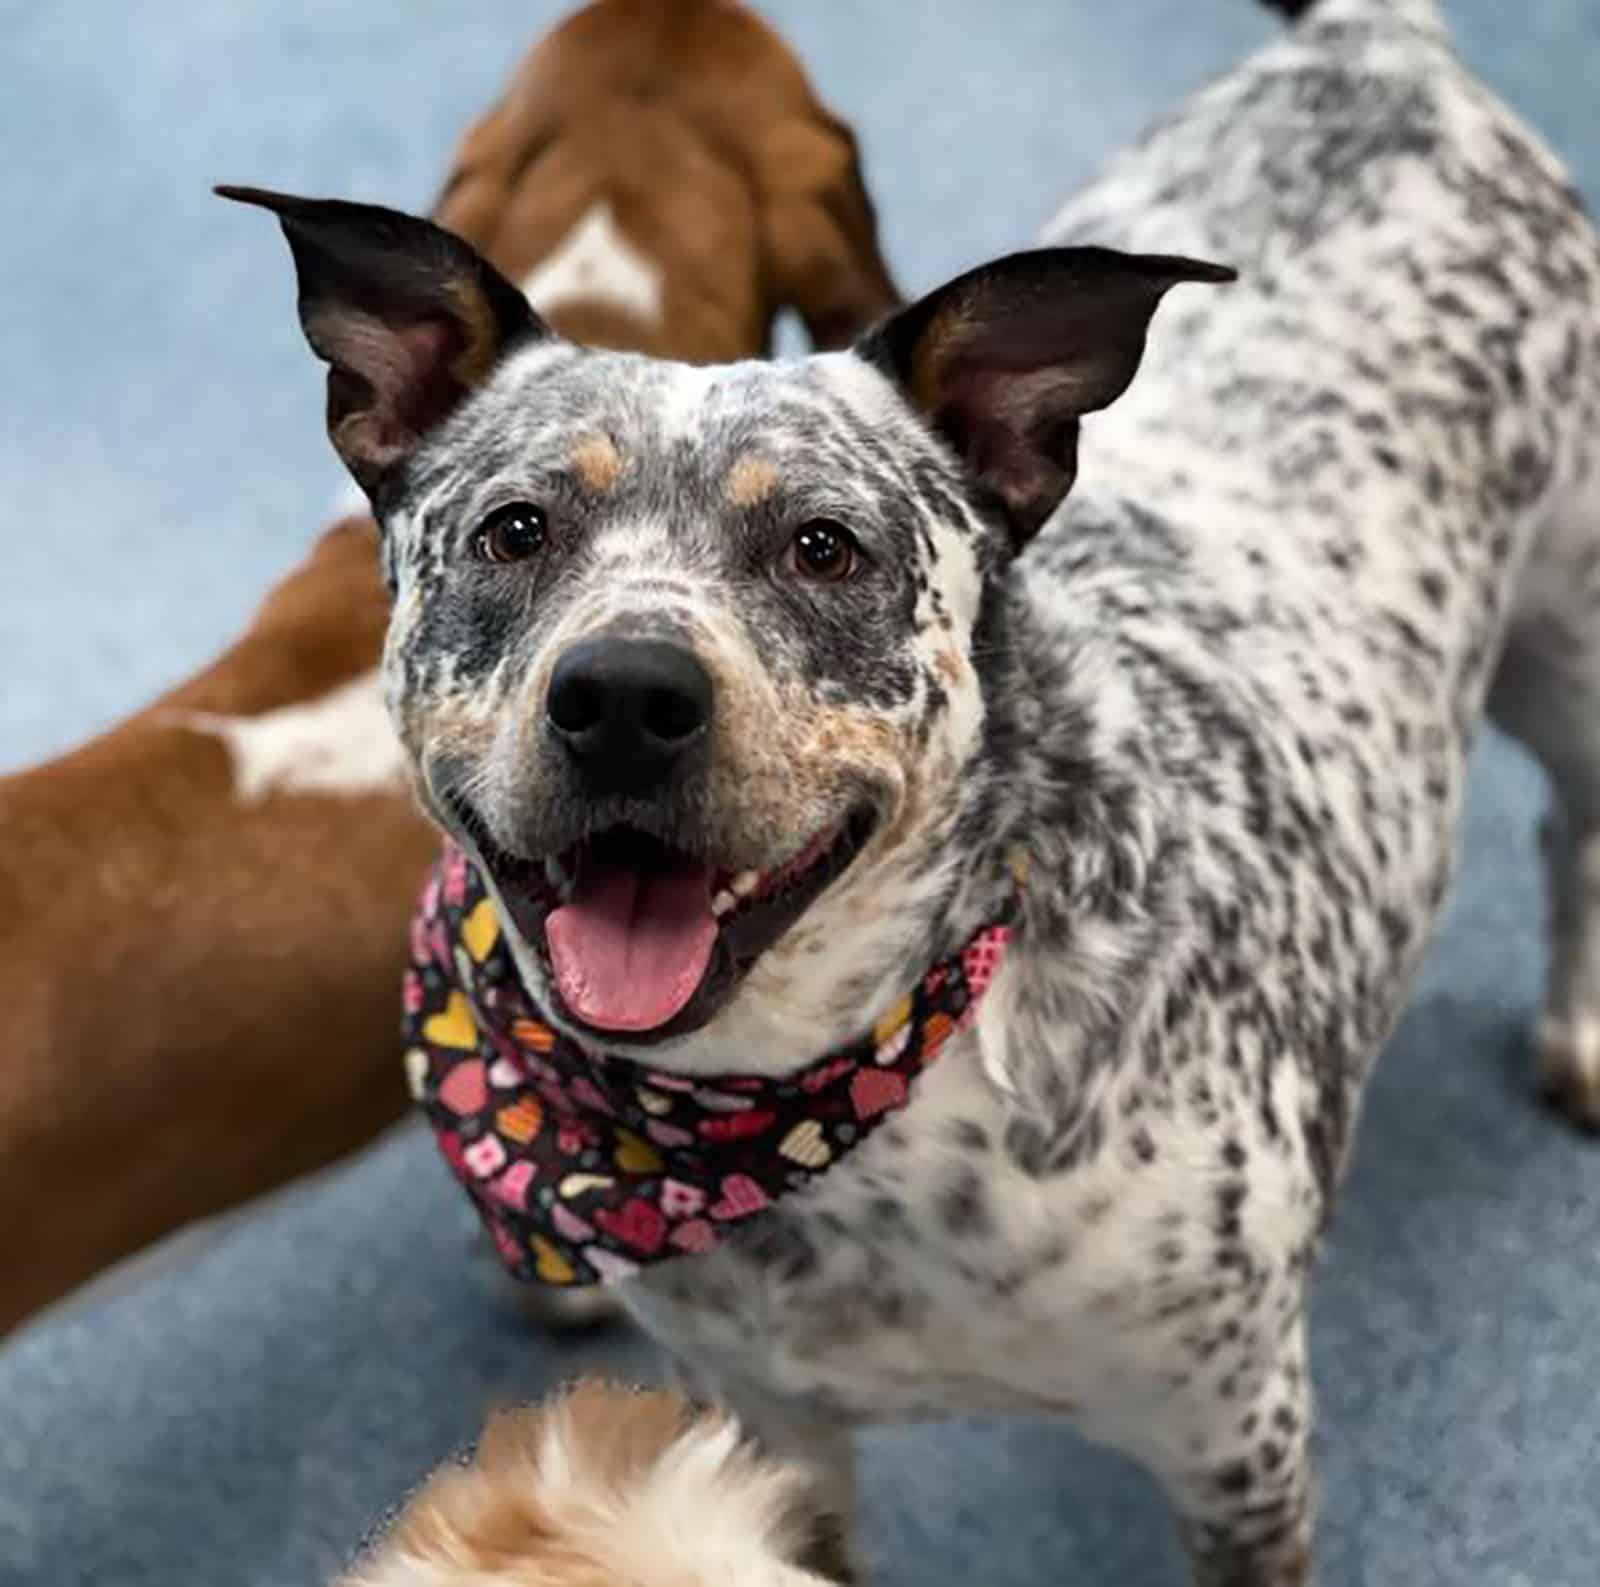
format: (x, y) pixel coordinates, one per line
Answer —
(597, 463)
(751, 481)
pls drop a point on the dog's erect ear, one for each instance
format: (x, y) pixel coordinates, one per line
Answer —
(1006, 358)
(408, 318)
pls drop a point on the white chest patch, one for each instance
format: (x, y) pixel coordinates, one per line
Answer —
(339, 743)
(595, 262)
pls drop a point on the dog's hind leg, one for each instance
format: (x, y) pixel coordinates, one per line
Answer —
(1547, 694)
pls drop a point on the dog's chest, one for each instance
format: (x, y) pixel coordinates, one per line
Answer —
(932, 1273)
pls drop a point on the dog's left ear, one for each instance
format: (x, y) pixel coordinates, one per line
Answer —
(1005, 359)
(407, 316)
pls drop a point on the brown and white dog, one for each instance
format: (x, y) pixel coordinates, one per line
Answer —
(205, 908)
(605, 1485)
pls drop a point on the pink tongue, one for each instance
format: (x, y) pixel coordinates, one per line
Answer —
(629, 950)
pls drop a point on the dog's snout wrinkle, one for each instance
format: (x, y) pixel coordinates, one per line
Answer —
(628, 711)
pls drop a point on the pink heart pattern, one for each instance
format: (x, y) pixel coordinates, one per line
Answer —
(466, 1088)
(875, 1091)
(741, 1196)
(584, 1200)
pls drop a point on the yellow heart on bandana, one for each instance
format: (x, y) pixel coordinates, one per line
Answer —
(453, 1025)
(416, 1072)
(481, 929)
(804, 1145)
(576, 1184)
(551, 1265)
(891, 1021)
(635, 1156)
(653, 1101)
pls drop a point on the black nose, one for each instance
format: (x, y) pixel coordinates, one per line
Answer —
(626, 710)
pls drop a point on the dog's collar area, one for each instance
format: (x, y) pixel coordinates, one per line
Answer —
(585, 1168)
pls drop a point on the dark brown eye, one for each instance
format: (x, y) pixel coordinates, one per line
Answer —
(824, 552)
(510, 534)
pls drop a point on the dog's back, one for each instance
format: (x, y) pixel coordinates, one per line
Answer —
(1303, 531)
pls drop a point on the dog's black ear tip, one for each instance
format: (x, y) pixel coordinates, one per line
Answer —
(1206, 271)
(261, 197)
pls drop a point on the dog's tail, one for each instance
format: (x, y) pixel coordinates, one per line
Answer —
(1415, 13)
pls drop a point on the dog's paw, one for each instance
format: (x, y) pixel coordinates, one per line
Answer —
(564, 1311)
(1569, 1067)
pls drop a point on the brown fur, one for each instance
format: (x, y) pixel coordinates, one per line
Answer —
(494, 1515)
(699, 99)
(506, 1515)
(202, 994)
(199, 993)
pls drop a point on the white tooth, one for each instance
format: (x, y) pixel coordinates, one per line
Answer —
(745, 883)
(722, 904)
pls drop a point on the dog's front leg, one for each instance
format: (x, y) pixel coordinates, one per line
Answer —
(1237, 1466)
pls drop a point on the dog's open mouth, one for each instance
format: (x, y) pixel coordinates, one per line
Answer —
(644, 939)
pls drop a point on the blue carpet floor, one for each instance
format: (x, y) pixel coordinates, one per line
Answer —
(243, 1418)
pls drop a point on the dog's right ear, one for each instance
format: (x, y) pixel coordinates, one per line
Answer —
(408, 318)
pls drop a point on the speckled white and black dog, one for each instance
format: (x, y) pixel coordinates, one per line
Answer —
(1205, 724)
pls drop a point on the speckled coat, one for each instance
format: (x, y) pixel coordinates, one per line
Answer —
(1207, 732)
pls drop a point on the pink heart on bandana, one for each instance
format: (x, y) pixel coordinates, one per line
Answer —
(512, 1186)
(738, 1126)
(981, 958)
(485, 1157)
(635, 1223)
(465, 1088)
(874, 1090)
(411, 992)
(679, 1200)
(668, 1135)
(741, 1196)
(826, 1075)
(569, 1225)
(695, 1236)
